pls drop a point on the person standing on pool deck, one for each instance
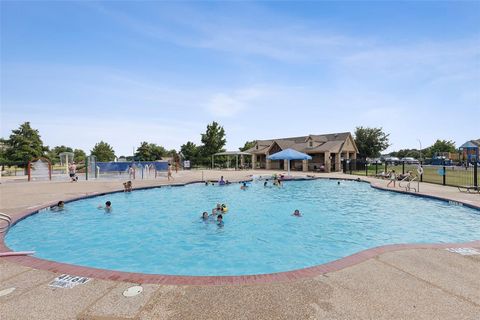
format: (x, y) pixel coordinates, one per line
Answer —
(72, 171)
(169, 174)
(393, 178)
(131, 172)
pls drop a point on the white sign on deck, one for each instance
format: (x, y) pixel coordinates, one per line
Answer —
(68, 281)
(464, 251)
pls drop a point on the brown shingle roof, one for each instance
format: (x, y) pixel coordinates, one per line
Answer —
(322, 142)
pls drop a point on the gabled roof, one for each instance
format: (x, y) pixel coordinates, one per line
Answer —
(471, 144)
(321, 143)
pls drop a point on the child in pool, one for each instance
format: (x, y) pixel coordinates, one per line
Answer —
(108, 206)
(220, 220)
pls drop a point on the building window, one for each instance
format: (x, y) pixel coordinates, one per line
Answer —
(310, 144)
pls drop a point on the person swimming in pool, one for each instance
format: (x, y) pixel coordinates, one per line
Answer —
(214, 212)
(205, 215)
(59, 207)
(297, 213)
(127, 186)
(221, 181)
(220, 220)
(108, 206)
(244, 186)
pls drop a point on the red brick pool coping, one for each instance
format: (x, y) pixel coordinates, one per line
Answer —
(141, 278)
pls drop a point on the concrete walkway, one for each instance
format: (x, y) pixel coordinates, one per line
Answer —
(406, 284)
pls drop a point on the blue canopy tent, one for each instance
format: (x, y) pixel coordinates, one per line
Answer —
(289, 154)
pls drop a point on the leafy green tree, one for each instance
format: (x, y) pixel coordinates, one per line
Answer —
(150, 152)
(402, 153)
(190, 151)
(103, 151)
(440, 146)
(3, 155)
(54, 154)
(143, 152)
(248, 145)
(213, 141)
(371, 141)
(158, 151)
(24, 144)
(174, 155)
(79, 155)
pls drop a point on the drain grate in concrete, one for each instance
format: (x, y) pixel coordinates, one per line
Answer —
(132, 291)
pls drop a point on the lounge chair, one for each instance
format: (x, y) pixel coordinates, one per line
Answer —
(468, 189)
(383, 175)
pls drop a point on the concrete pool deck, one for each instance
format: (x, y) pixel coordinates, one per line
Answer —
(402, 284)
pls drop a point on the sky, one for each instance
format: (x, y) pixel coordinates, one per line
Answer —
(125, 72)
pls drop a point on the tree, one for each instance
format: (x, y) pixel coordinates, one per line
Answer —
(79, 155)
(103, 151)
(213, 139)
(24, 144)
(190, 151)
(158, 151)
(440, 146)
(371, 141)
(54, 154)
(150, 152)
(143, 152)
(402, 153)
(248, 145)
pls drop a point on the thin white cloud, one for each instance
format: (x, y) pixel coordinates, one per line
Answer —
(229, 105)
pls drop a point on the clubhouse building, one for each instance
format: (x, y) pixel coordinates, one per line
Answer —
(327, 152)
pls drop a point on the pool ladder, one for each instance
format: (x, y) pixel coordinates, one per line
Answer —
(6, 218)
(409, 180)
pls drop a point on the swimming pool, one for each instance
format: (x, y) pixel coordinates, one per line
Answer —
(159, 230)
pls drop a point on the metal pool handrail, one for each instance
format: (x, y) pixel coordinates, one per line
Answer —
(7, 219)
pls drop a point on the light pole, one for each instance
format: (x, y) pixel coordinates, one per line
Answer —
(420, 151)
(420, 164)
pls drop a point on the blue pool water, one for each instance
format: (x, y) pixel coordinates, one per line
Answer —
(160, 230)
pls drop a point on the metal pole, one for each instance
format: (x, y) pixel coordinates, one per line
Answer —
(376, 167)
(366, 168)
(475, 175)
(421, 176)
(420, 151)
(403, 167)
(444, 173)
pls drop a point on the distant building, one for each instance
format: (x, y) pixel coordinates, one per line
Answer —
(470, 150)
(327, 152)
